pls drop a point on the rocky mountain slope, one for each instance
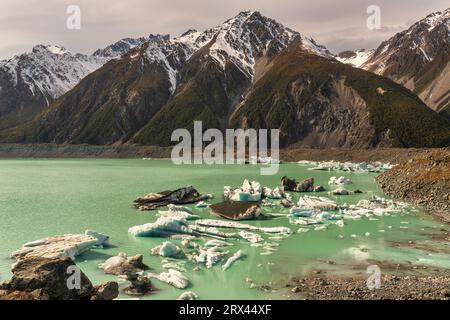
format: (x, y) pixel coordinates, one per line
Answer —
(249, 72)
(419, 59)
(29, 82)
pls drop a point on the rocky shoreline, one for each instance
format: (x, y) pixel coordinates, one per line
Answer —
(392, 288)
(423, 180)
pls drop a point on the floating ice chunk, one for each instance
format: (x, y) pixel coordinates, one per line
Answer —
(237, 225)
(249, 192)
(173, 277)
(216, 243)
(167, 249)
(277, 193)
(339, 192)
(188, 295)
(173, 265)
(102, 239)
(210, 256)
(340, 223)
(232, 259)
(320, 228)
(201, 204)
(163, 226)
(301, 212)
(302, 230)
(311, 202)
(339, 181)
(251, 237)
(367, 234)
(178, 215)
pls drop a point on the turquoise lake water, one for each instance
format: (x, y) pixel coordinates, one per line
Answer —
(40, 198)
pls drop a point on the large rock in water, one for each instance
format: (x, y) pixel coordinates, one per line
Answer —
(122, 264)
(38, 278)
(306, 185)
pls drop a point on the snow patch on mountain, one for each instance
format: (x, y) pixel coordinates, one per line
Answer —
(355, 58)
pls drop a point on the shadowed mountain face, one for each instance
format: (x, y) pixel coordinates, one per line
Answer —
(419, 59)
(249, 72)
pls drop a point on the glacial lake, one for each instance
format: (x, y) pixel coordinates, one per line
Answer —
(46, 197)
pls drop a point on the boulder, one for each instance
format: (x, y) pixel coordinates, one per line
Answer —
(164, 198)
(40, 278)
(306, 185)
(236, 210)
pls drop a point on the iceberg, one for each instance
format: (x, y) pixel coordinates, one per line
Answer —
(237, 225)
(188, 295)
(162, 227)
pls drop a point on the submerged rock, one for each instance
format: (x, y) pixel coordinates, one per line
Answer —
(122, 264)
(140, 285)
(40, 278)
(236, 210)
(69, 245)
(164, 198)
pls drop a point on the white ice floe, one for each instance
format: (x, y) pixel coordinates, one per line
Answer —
(167, 249)
(232, 259)
(173, 277)
(250, 236)
(249, 192)
(339, 192)
(341, 181)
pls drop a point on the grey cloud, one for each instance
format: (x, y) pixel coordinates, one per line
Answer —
(337, 24)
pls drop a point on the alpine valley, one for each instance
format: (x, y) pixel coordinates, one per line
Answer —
(249, 72)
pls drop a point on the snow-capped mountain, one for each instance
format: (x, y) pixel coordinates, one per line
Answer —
(29, 82)
(419, 58)
(355, 58)
(249, 72)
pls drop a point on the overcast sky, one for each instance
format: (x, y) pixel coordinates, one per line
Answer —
(338, 24)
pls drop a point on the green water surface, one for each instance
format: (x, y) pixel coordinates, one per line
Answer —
(40, 198)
